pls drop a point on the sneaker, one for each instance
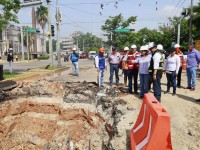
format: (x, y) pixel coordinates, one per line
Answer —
(166, 92)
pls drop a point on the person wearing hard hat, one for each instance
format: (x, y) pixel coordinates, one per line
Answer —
(123, 59)
(180, 54)
(171, 67)
(152, 48)
(156, 66)
(133, 69)
(114, 60)
(74, 59)
(144, 62)
(100, 64)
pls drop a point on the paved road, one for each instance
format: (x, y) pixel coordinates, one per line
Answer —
(36, 64)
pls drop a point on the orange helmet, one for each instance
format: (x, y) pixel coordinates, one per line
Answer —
(102, 50)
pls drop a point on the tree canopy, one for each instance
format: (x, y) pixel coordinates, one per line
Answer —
(8, 12)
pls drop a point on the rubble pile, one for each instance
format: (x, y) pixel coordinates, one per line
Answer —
(53, 115)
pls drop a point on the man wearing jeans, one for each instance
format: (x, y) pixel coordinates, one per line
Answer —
(74, 58)
(100, 64)
(114, 60)
(193, 59)
(156, 66)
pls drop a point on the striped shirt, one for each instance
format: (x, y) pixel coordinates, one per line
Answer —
(144, 63)
(114, 58)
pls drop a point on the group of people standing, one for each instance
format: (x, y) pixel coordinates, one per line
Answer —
(150, 63)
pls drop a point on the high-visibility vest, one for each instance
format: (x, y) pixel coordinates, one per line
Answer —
(161, 63)
(131, 57)
(101, 61)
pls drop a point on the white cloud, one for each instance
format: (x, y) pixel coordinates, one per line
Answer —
(169, 11)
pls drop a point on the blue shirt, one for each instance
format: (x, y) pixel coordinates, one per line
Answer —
(193, 58)
(144, 63)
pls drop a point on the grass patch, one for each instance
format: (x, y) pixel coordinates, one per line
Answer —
(8, 75)
(43, 57)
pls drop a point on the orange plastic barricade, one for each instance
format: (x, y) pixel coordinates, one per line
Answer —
(184, 64)
(152, 128)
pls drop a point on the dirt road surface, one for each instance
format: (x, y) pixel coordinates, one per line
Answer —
(183, 109)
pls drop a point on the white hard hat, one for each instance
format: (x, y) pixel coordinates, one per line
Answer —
(133, 46)
(159, 47)
(144, 48)
(126, 48)
(74, 49)
(151, 44)
(176, 45)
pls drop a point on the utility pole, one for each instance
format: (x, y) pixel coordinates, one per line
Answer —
(22, 42)
(83, 45)
(58, 17)
(27, 43)
(179, 29)
(191, 13)
(111, 41)
(49, 28)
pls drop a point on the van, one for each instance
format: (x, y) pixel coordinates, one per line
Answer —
(92, 54)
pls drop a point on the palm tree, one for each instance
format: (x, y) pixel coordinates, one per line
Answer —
(41, 17)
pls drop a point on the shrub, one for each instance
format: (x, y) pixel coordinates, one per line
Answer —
(43, 57)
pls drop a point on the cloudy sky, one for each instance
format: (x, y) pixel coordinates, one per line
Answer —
(87, 15)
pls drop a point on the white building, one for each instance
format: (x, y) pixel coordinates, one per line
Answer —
(67, 43)
(10, 38)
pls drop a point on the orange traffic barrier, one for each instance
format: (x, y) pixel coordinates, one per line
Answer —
(152, 128)
(184, 64)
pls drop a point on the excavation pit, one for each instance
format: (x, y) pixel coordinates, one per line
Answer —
(31, 123)
(47, 115)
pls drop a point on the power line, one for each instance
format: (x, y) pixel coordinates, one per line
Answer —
(179, 8)
(106, 3)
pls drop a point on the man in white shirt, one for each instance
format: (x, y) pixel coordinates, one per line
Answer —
(171, 67)
(156, 66)
(100, 64)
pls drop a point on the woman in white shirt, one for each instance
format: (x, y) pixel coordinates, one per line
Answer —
(171, 67)
(144, 62)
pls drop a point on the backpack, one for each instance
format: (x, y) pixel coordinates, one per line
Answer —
(74, 58)
(9, 57)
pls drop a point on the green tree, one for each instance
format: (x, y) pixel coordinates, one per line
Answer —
(119, 39)
(196, 22)
(90, 41)
(9, 10)
(41, 17)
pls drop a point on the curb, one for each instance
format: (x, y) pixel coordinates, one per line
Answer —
(35, 73)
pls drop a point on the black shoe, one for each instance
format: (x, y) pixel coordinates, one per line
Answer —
(136, 93)
(178, 86)
(141, 96)
(166, 92)
(174, 94)
(187, 87)
(197, 100)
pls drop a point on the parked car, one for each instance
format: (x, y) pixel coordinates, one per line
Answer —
(84, 55)
(92, 54)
